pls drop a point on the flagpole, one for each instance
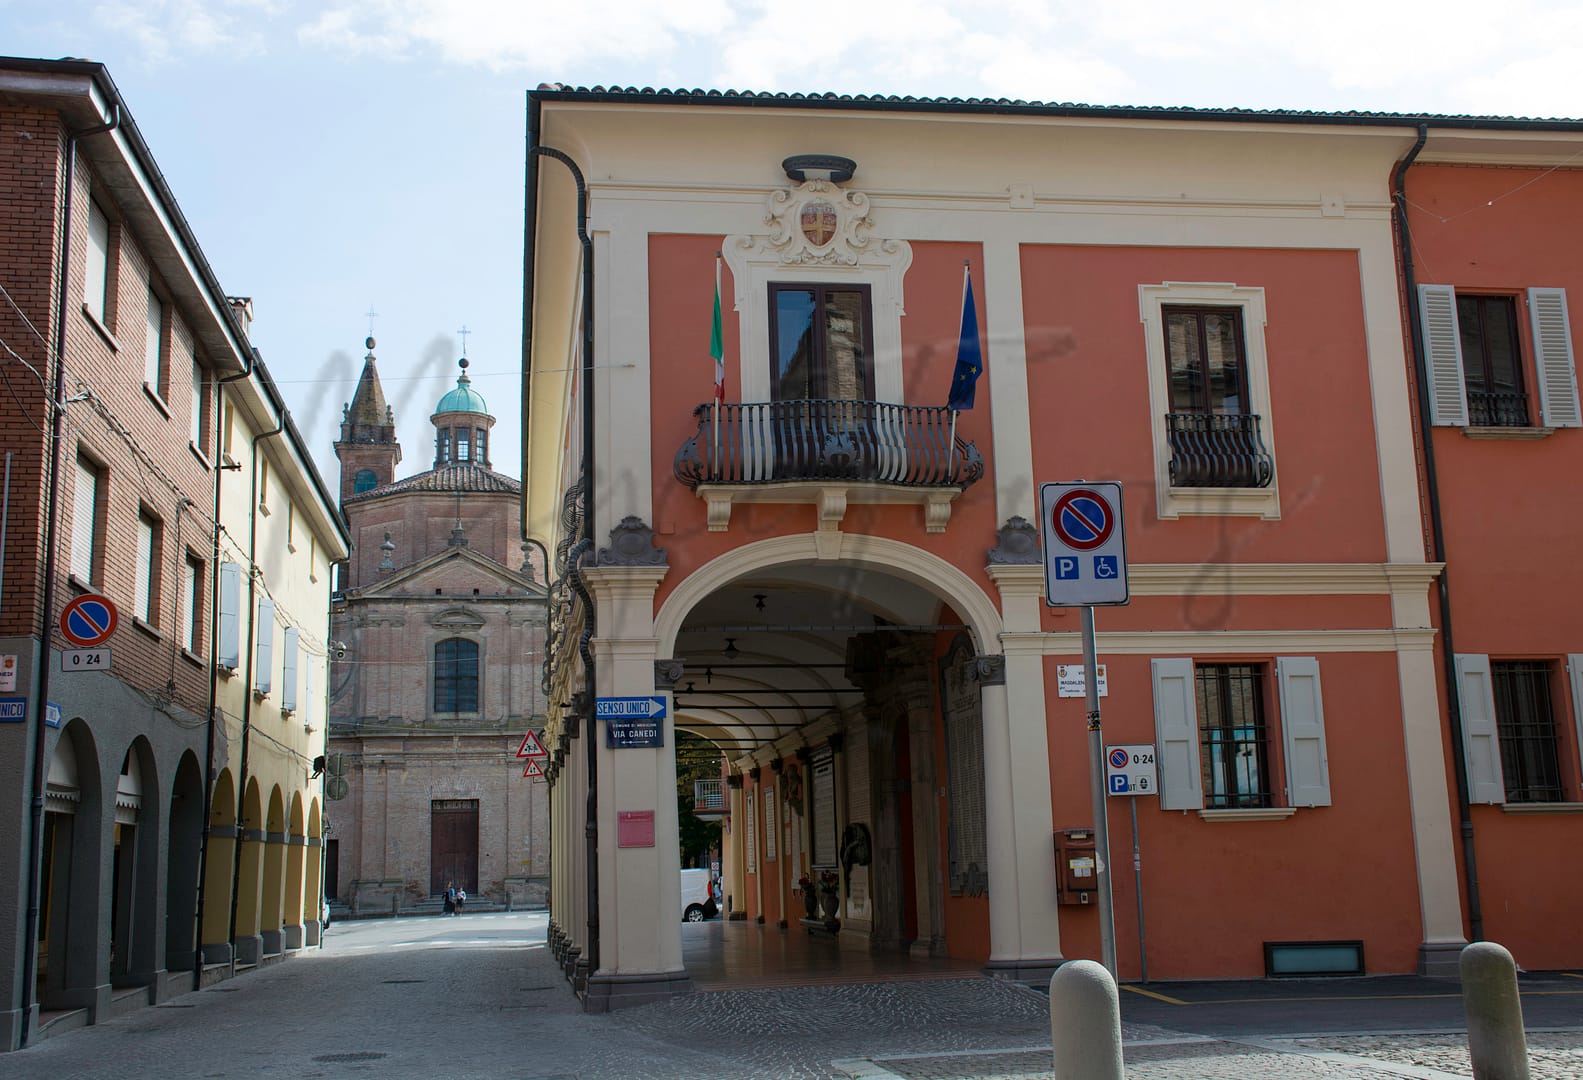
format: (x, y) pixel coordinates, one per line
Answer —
(714, 458)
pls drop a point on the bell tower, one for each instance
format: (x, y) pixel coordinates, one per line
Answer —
(367, 449)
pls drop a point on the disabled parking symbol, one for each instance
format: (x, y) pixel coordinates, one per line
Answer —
(1066, 568)
(1106, 567)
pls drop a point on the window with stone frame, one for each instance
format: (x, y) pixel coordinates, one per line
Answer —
(456, 676)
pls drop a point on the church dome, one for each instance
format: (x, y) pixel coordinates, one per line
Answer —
(462, 399)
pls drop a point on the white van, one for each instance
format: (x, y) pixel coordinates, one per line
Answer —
(698, 896)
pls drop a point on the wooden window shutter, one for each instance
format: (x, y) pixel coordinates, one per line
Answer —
(1176, 728)
(1448, 399)
(288, 672)
(1481, 740)
(230, 615)
(1553, 359)
(264, 631)
(1303, 731)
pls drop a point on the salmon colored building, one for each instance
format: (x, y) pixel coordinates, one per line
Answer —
(840, 580)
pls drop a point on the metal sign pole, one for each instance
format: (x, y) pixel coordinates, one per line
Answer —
(1137, 887)
(1096, 786)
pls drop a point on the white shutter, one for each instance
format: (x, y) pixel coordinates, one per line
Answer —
(264, 632)
(84, 512)
(95, 271)
(1176, 730)
(153, 345)
(288, 672)
(1448, 399)
(1481, 739)
(1303, 731)
(1575, 672)
(144, 593)
(1558, 383)
(230, 613)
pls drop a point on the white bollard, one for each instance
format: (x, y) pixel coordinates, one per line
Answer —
(1085, 1023)
(1496, 1040)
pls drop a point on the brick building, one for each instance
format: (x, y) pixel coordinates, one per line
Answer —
(442, 641)
(131, 381)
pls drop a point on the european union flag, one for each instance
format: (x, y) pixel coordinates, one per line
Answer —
(969, 360)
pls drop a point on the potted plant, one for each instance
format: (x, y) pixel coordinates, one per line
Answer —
(810, 898)
(829, 895)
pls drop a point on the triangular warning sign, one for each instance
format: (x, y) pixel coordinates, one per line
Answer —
(534, 769)
(531, 747)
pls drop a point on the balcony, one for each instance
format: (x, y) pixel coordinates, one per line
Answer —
(1497, 408)
(709, 799)
(829, 453)
(1218, 450)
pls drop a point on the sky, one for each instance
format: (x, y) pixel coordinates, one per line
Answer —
(367, 155)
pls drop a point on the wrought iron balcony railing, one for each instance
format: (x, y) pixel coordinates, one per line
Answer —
(1497, 408)
(1218, 450)
(873, 441)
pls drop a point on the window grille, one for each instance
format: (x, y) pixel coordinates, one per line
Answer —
(1527, 727)
(1234, 753)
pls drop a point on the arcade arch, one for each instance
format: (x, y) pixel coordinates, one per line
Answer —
(182, 865)
(823, 681)
(220, 869)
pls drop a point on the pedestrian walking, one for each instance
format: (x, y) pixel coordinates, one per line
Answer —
(461, 900)
(450, 898)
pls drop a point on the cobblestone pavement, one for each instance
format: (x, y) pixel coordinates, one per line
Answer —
(481, 997)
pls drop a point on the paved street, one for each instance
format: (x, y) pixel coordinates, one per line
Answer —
(478, 996)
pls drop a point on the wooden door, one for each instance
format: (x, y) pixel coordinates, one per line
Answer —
(453, 845)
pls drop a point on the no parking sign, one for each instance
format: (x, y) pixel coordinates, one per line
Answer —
(1085, 548)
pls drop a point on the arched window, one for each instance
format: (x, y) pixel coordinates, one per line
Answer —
(456, 676)
(365, 480)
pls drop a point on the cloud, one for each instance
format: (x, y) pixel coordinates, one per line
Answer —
(505, 35)
(164, 30)
(1402, 55)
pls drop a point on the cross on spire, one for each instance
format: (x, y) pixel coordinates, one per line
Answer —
(464, 331)
(372, 315)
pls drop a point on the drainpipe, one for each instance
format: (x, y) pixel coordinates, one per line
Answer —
(1404, 242)
(220, 466)
(247, 684)
(584, 545)
(39, 775)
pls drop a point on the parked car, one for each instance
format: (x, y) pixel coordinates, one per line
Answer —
(698, 896)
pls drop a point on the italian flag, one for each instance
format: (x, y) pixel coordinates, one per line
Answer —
(717, 342)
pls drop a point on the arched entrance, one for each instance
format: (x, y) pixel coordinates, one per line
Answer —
(856, 687)
(296, 849)
(219, 872)
(69, 945)
(246, 918)
(181, 871)
(272, 896)
(134, 893)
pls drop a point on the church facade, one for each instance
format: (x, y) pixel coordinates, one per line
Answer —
(437, 632)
